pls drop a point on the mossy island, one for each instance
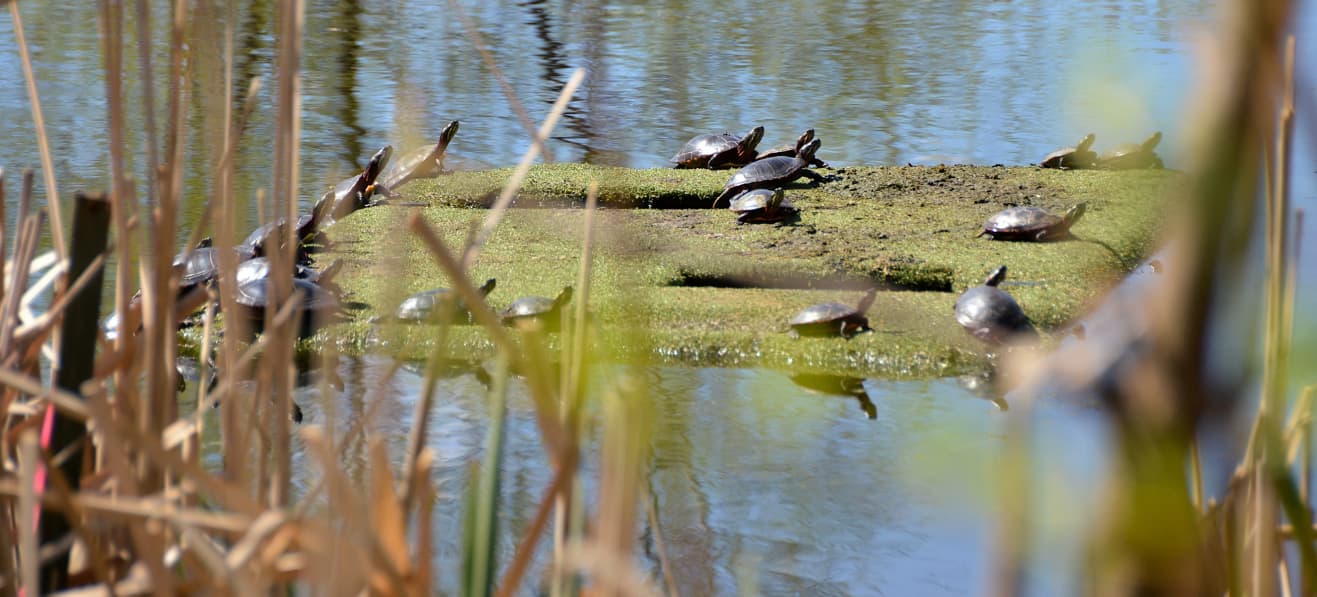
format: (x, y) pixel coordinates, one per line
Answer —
(675, 282)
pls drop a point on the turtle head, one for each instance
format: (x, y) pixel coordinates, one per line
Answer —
(446, 135)
(563, 298)
(752, 139)
(1152, 141)
(1085, 143)
(995, 277)
(487, 287)
(807, 152)
(775, 201)
(1073, 214)
(804, 139)
(377, 162)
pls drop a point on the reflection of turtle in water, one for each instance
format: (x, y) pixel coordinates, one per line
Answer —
(984, 386)
(1029, 223)
(1079, 156)
(1132, 156)
(838, 385)
(991, 315)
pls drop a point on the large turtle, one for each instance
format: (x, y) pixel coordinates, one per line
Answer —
(833, 319)
(1132, 156)
(1029, 223)
(762, 206)
(318, 304)
(1079, 156)
(718, 151)
(423, 162)
(355, 192)
(991, 315)
(259, 268)
(548, 311)
(791, 149)
(422, 306)
(772, 172)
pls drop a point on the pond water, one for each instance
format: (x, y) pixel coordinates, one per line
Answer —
(759, 482)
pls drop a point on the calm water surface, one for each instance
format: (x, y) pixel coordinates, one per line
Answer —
(760, 483)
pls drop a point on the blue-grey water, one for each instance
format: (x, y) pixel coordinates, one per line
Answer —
(760, 484)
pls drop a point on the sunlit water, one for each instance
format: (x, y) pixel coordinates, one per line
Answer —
(760, 483)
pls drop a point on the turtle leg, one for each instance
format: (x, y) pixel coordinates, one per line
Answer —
(814, 176)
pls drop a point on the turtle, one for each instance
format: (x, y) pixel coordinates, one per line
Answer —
(1067, 158)
(317, 305)
(422, 162)
(833, 319)
(991, 315)
(1029, 223)
(421, 307)
(258, 268)
(718, 151)
(790, 150)
(262, 240)
(772, 172)
(528, 309)
(1132, 156)
(352, 193)
(762, 206)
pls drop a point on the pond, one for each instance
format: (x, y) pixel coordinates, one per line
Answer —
(760, 484)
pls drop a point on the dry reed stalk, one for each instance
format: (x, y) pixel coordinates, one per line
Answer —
(141, 509)
(665, 566)
(28, 459)
(39, 123)
(573, 383)
(3, 231)
(504, 200)
(521, 558)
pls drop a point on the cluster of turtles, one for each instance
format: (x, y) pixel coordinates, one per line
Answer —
(1126, 156)
(754, 192)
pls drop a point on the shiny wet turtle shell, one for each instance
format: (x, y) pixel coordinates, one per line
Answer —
(253, 297)
(720, 150)
(771, 172)
(1025, 223)
(992, 315)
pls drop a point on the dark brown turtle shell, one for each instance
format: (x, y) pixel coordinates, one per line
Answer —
(1029, 223)
(1079, 156)
(991, 315)
(762, 206)
(772, 172)
(723, 150)
(790, 150)
(833, 319)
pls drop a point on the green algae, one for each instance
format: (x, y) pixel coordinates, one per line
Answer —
(690, 285)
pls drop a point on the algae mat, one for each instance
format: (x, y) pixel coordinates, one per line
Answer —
(675, 281)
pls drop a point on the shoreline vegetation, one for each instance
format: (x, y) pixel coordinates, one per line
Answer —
(704, 290)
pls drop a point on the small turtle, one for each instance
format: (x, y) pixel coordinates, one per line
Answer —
(1030, 223)
(790, 150)
(772, 172)
(762, 206)
(1132, 156)
(423, 162)
(833, 319)
(529, 309)
(1067, 158)
(718, 151)
(421, 307)
(317, 305)
(991, 315)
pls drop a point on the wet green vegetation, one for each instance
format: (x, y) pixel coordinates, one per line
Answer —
(688, 284)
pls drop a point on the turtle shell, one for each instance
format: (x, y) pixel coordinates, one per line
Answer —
(422, 162)
(761, 206)
(258, 268)
(992, 315)
(253, 296)
(717, 150)
(1079, 156)
(833, 319)
(421, 306)
(1132, 156)
(771, 172)
(1025, 223)
(199, 267)
(541, 308)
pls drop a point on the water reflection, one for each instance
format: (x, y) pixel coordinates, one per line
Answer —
(838, 385)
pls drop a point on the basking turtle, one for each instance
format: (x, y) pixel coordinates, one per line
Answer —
(317, 305)
(422, 306)
(718, 151)
(762, 206)
(423, 162)
(355, 192)
(1030, 223)
(1067, 158)
(833, 319)
(991, 315)
(548, 311)
(790, 150)
(263, 239)
(772, 172)
(1132, 156)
